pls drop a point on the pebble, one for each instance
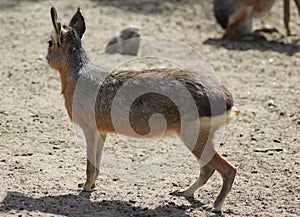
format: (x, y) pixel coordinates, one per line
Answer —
(253, 139)
(132, 201)
(175, 184)
(271, 103)
(264, 150)
(171, 203)
(282, 114)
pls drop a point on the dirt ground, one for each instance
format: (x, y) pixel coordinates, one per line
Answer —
(42, 161)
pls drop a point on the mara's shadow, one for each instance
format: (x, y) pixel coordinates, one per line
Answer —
(258, 44)
(81, 205)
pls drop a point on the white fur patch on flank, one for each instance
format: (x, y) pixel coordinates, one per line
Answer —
(220, 120)
(232, 113)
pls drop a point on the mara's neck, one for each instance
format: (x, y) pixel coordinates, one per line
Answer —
(71, 71)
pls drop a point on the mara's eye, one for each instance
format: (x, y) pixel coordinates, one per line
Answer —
(50, 43)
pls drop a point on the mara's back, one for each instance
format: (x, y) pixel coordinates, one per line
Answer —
(173, 93)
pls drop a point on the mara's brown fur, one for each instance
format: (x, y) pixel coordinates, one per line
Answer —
(89, 94)
(236, 16)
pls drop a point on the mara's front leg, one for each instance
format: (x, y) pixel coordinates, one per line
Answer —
(94, 146)
(100, 144)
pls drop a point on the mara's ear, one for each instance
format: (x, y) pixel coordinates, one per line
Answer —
(57, 25)
(77, 23)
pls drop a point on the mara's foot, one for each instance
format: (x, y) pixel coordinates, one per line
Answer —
(212, 209)
(183, 193)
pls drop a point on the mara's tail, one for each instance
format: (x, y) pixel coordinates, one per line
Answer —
(232, 113)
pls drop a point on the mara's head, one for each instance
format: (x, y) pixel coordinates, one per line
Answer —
(65, 43)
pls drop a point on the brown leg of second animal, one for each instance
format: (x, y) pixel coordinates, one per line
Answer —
(286, 12)
(297, 2)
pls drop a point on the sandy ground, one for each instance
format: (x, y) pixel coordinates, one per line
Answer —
(42, 161)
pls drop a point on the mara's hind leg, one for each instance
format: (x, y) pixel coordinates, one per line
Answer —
(227, 172)
(205, 146)
(205, 174)
(206, 154)
(95, 143)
